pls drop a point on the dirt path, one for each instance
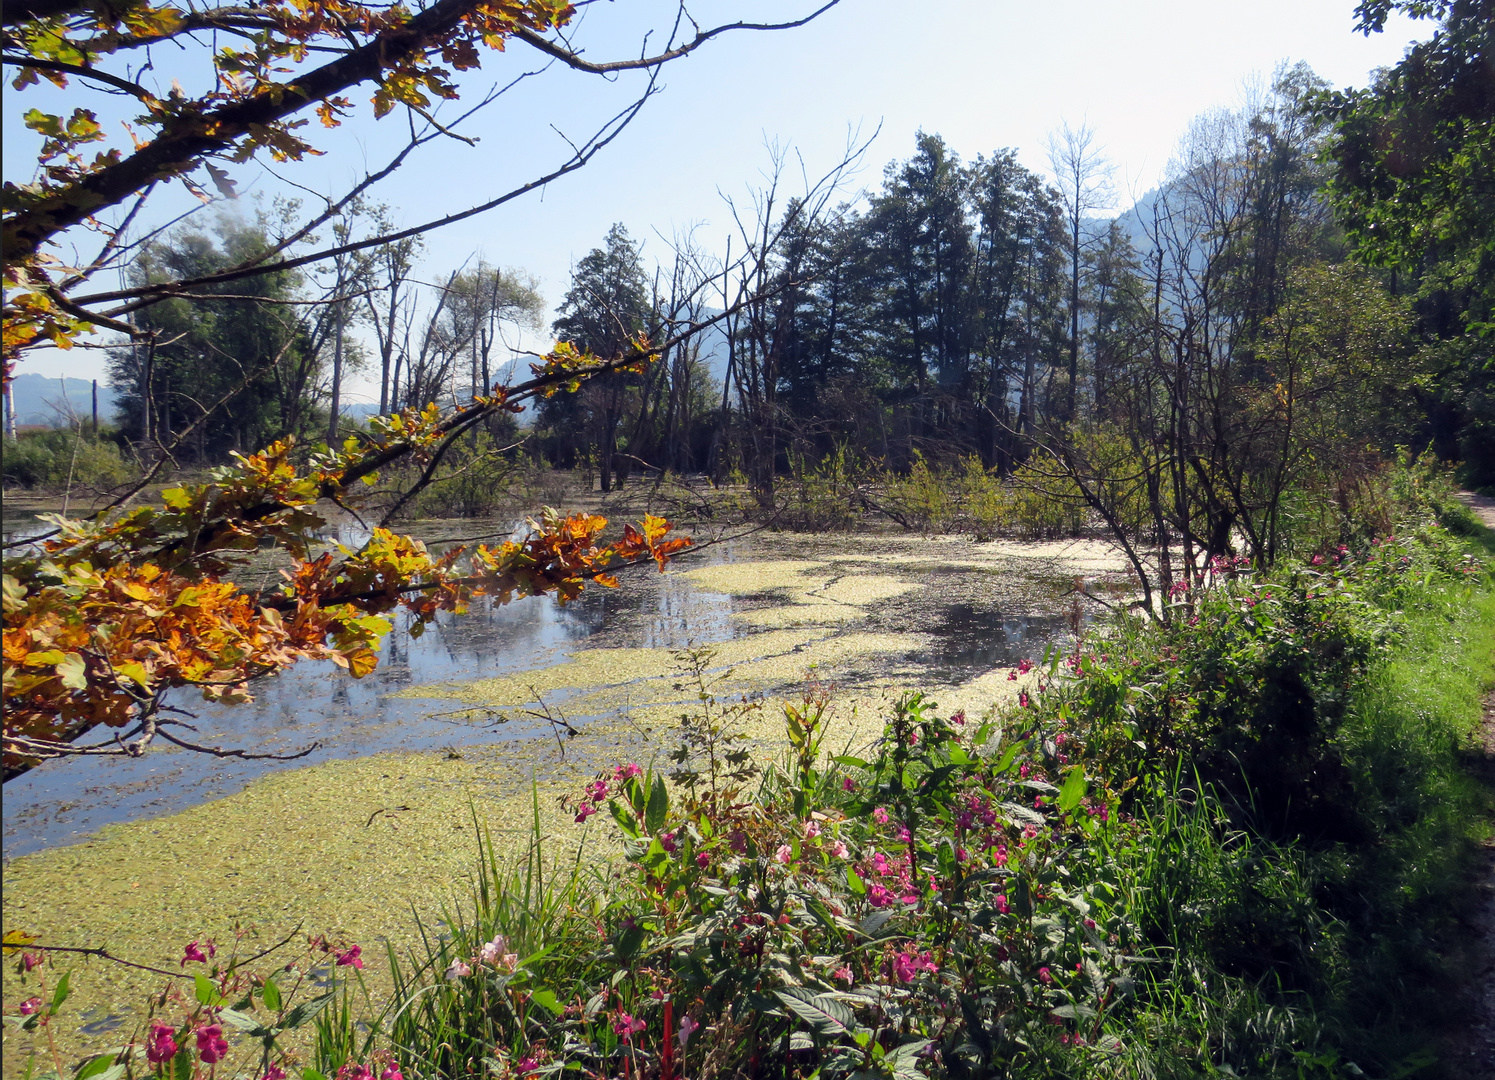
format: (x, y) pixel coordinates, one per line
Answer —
(1471, 1053)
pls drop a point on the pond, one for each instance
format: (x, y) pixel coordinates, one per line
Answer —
(862, 610)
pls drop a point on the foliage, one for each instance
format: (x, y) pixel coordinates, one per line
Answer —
(104, 616)
(64, 460)
(1051, 890)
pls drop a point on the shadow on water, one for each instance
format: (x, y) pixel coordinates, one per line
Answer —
(973, 641)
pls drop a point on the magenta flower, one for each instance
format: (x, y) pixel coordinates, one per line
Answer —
(354, 1071)
(212, 1047)
(688, 1028)
(30, 1006)
(903, 967)
(274, 1072)
(1044, 976)
(1024, 666)
(1002, 905)
(959, 718)
(1022, 699)
(842, 973)
(391, 1072)
(192, 954)
(879, 897)
(351, 958)
(31, 960)
(585, 811)
(812, 829)
(838, 849)
(627, 1025)
(526, 1065)
(848, 784)
(597, 790)
(880, 816)
(669, 843)
(627, 772)
(160, 1044)
(703, 860)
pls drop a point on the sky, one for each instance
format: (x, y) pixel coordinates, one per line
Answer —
(984, 74)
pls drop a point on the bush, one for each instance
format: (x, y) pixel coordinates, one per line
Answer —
(64, 459)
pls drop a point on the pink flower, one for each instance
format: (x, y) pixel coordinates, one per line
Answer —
(848, 784)
(192, 954)
(160, 1044)
(913, 737)
(526, 1064)
(903, 967)
(31, 960)
(351, 958)
(812, 829)
(959, 718)
(584, 811)
(1022, 699)
(627, 772)
(1044, 976)
(30, 1007)
(842, 973)
(627, 1025)
(275, 1072)
(838, 849)
(879, 862)
(687, 1029)
(1024, 666)
(458, 970)
(784, 855)
(1012, 676)
(354, 1071)
(1002, 905)
(879, 897)
(669, 843)
(1024, 770)
(880, 816)
(703, 860)
(597, 790)
(212, 1047)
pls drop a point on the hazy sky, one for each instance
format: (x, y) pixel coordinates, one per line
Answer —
(985, 74)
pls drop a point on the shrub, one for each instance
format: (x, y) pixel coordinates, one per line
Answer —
(62, 459)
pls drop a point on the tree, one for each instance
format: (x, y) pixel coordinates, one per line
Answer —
(606, 307)
(201, 354)
(103, 617)
(1413, 155)
(264, 68)
(1083, 176)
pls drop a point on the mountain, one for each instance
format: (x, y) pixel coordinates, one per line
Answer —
(54, 402)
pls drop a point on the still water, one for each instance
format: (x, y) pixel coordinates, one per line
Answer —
(319, 708)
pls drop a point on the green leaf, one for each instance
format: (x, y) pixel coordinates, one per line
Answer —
(59, 995)
(659, 805)
(182, 1064)
(850, 761)
(207, 994)
(625, 820)
(1008, 757)
(307, 1009)
(98, 1067)
(854, 882)
(311, 1074)
(270, 993)
(547, 1000)
(825, 1014)
(1073, 790)
(244, 1022)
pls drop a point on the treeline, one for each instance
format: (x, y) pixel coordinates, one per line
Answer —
(1226, 365)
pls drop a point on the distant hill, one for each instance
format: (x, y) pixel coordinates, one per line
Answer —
(51, 402)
